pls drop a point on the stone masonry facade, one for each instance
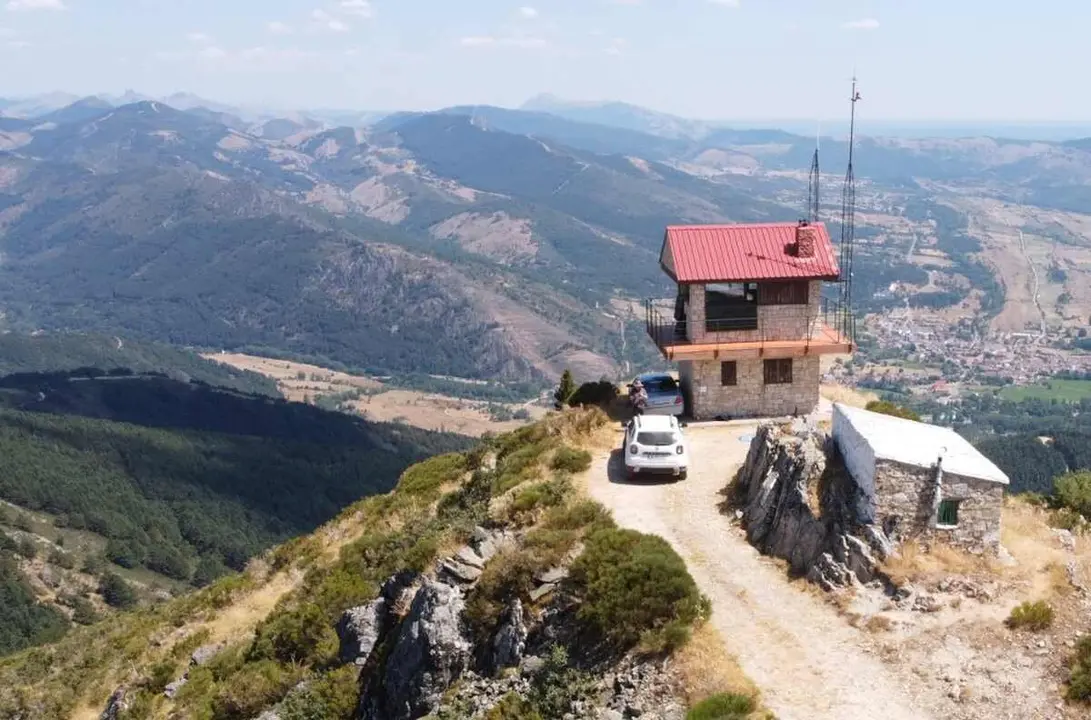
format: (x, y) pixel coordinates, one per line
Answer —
(775, 322)
(905, 505)
(708, 398)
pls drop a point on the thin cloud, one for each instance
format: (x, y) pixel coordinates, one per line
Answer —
(212, 53)
(19, 44)
(18, 5)
(865, 24)
(324, 21)
(359, 8)
(279, 28)
(477, 41)
(528, 12)
(6, 32)
(199, 38)
(525, 43)
(616, 47)
(726, 3)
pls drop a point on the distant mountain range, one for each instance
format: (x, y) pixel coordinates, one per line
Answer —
(475, 241)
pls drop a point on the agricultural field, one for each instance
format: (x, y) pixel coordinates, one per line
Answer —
(1060, 390)
(379, 402)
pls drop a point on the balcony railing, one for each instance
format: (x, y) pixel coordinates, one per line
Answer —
(830, 323)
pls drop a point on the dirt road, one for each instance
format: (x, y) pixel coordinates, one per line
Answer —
(809, 663)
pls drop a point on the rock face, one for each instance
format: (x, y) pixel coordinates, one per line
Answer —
(428, 654)
(801, 505)
(511, 638)
(359, 629)
(116, 705)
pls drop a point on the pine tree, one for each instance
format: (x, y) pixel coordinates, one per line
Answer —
(565, 390)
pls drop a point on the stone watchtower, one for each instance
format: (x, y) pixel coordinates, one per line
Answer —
(750, 321)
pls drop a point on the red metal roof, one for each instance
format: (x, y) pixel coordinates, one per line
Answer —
(733, 253)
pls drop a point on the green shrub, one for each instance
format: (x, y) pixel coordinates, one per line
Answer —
(159, 676)
(635, 588)
(521, 464)
(83, 612)
(508, 575)
(116, 592)
(513, 707)
(529, 500)
(565, 389)
(888, 408)
(331, 697)
(722, 706)
(1079, 684)
(1031, 616)
(27, 548)
(425, 479)
(298, 635)
(255, 687)
(1073, 491)
(599, 393)
(62, 559)
(571, 460)
(582, 514)
(469, 504)
(558, 685)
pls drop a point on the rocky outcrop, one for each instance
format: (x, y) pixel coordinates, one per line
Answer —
(116, 705)
(800, 504)
(429, 653)
(511, 638)
(359, 630)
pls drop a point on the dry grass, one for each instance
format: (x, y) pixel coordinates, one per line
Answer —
(847, 395)
(916, 563)
(1040, 558)
(879, 624)
(708, 668)
(429, 411)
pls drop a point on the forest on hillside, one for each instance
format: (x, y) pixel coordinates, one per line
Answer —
(57, 352)
(187, 480)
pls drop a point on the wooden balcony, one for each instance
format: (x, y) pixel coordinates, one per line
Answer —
(798, 333)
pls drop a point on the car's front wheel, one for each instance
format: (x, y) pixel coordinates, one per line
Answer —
(681, 476)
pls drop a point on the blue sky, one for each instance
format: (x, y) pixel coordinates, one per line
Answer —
(726, 59)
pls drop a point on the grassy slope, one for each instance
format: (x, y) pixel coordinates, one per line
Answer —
(276, 618)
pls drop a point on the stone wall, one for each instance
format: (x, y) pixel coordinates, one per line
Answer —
(859, 458)
(707, 398)
(905, 505)
(775, 322)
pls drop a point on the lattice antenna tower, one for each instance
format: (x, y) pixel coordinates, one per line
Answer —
(812, 183)
(848, 224)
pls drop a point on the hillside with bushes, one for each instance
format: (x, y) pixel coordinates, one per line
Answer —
(484, 585)
(169, 482)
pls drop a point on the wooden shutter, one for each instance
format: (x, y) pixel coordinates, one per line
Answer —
(778, 372)
(793, 292)
(729, 373)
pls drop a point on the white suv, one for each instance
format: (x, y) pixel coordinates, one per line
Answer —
(654, 444)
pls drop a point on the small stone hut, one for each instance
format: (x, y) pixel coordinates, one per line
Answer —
(921, 480)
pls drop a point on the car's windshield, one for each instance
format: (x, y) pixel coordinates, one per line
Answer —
(658, 385)
(656, 438)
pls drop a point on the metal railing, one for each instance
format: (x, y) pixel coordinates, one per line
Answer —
(830, 322)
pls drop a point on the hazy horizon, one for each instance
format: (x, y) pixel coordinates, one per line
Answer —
(737, 60)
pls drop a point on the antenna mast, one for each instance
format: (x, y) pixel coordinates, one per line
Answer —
(848, 225)
(812, 188)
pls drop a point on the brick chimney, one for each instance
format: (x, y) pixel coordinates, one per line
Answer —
(806, 239)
